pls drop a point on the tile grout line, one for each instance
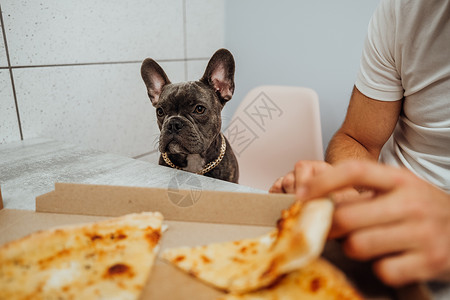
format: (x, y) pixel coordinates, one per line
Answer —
(103, 63)
(185, 42)
(11, 73)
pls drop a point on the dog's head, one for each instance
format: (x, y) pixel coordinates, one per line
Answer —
(189, 113)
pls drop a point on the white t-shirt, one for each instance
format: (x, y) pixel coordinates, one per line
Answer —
(407, 54)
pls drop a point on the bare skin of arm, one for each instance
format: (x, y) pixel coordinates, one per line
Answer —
(367, 126)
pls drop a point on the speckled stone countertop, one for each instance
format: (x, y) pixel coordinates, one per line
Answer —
(30, 168)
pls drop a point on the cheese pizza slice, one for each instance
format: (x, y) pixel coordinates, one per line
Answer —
(319, 280)
(247, 265)
(109, 259)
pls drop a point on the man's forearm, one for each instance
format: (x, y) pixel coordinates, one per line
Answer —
(343, 146)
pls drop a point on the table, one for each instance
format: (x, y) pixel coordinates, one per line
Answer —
(30, 168)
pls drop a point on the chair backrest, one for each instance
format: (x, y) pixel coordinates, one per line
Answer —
(273, 128)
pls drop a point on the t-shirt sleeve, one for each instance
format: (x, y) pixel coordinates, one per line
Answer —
(378, 76)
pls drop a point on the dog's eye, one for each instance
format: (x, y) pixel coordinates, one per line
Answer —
(159, 112)
(199, 109)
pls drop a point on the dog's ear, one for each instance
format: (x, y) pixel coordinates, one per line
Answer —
(219, 74)
(155, 79)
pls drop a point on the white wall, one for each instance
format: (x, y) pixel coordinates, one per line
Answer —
(75, 66)
(316, 44)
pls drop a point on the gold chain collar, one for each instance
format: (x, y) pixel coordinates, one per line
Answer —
(209, 166)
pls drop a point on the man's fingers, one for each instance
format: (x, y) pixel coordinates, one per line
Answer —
(358, 215)
(305, 170)
(277, 186)
(284, 184)
(288, 183)
(381, 240)
(349, 174)
(403, 268)
(350, 195)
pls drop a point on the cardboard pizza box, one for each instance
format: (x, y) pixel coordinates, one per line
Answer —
(195, 217)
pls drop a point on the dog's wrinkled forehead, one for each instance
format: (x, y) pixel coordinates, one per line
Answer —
(178, 95)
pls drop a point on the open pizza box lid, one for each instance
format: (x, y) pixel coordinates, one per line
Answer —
(195, 217)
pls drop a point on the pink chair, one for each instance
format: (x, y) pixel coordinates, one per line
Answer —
(273, 128)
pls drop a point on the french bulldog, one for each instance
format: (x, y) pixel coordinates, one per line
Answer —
(189, 117)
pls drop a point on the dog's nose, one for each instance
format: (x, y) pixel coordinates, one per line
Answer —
(174, 126)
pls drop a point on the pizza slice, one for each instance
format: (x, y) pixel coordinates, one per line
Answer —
(315, 281)
(109, 259)
(247, 265)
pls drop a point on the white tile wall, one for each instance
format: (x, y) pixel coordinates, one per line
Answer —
(9, 126)
(196, 68)
(76, 67)
(104, 107)
(173, 70)
(60, 32)
(3, 61)
(204, 27)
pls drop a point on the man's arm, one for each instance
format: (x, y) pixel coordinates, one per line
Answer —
(366, 128)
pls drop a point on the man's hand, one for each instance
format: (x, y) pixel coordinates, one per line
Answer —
(404, 225)
(303, 170)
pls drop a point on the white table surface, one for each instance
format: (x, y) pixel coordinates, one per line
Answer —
(30, 168)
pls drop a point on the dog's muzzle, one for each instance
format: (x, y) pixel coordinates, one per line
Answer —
(174, 126)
